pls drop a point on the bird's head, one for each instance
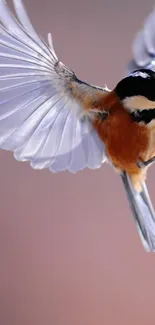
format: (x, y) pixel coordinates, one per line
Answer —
(137, 91)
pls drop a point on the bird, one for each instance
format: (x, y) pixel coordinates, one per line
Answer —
(54, 120)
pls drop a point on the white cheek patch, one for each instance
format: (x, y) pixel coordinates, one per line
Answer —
(151, 123)
(138, 102)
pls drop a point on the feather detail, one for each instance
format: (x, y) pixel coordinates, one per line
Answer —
(143, 48)
(143, 212)
(45, 110)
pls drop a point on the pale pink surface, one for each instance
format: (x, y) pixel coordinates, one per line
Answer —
(69, 249)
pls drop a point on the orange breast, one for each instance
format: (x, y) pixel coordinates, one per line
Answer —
(125, 140)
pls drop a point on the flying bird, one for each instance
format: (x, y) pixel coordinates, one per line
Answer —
(54, 120)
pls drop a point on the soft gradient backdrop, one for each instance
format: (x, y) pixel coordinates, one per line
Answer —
(70, 253)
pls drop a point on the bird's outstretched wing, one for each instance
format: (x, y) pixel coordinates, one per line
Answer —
(143, 57)
(143, 47)
(45, 110)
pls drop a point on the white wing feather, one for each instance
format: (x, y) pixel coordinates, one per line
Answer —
(39, 116)
(144, 44)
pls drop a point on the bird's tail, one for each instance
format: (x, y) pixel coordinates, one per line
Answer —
(143, 212)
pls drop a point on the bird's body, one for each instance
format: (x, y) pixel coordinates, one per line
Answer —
(54, 120)
(126, 141)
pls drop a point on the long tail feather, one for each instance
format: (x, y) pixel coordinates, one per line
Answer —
(143, 212)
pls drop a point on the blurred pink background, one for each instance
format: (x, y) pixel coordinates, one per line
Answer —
(70, 252)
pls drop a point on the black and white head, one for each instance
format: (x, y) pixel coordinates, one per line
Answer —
(137, 91)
